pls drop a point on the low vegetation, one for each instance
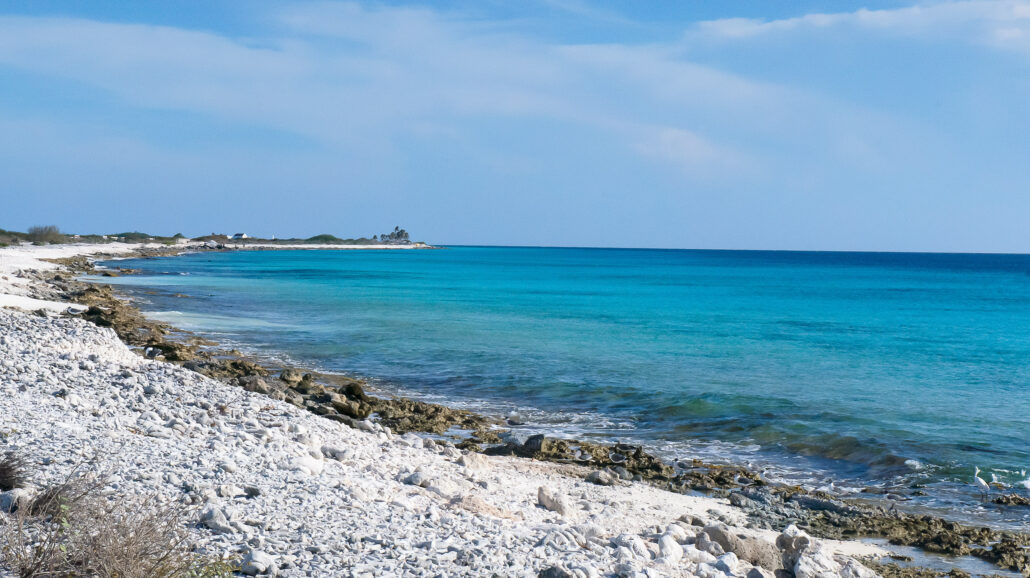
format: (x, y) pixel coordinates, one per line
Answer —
(45, 235)
(75, 528)
(133, 236)
(12, 472)
(325, 238)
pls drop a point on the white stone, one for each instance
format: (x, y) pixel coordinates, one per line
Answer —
(257, 562)
(670, 548)
(550, 500)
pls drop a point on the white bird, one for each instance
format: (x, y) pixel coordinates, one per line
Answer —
(981, 485)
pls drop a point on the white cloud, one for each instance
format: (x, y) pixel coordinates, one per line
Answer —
(1003, 24)
(351, 76)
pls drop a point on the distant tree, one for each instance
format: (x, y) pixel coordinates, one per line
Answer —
(133, 236)
(324, 238)
(178, 236)
(45, 234)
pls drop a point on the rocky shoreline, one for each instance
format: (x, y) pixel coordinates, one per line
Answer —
(764, 506)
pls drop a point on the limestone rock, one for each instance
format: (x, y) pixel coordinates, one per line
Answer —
(257, 562)
(816, 564)
(670, 548)
(553, 502)
(475, 461)
(214, 518)
(793, 541)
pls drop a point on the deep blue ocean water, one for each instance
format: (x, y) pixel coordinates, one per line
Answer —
(859, 369)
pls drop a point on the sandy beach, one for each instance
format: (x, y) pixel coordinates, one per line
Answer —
(279, 490)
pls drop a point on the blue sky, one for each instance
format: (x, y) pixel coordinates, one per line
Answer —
(807, 125)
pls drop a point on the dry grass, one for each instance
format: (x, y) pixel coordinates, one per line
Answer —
(12, 472)
(73, 529)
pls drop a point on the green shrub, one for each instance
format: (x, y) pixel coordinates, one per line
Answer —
(133, 236)
(45, 234)
(324, 238)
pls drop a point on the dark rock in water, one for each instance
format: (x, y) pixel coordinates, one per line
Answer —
(1011, 500)
(535, 443)
(354, 390)
(822, 504)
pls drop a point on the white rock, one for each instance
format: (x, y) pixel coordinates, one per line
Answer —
(728, 563)
(816, 564)
(257, 562)
(547, 498)
(475, 462)
(307, 464)
(677, 533)
(635, 544)
(670, 548)
(214, 518)
(853, 569)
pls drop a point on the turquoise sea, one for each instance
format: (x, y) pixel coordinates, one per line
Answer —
(886, 370)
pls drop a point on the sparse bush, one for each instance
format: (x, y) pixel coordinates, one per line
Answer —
(41, 235)
(12, 472)
(74, 529)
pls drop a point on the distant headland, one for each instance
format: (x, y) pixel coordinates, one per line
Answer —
(52, 235)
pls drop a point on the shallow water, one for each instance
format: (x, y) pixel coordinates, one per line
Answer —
(855, 369)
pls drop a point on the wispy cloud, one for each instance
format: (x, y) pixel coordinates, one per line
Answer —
(1003, 24)
(346, 74)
